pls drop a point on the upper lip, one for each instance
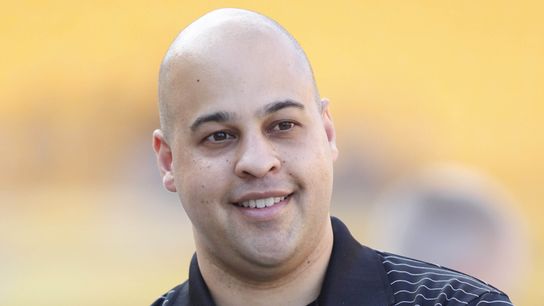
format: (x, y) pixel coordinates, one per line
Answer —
(261, 195)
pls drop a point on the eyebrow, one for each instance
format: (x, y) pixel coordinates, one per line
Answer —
(214, 117)
(279, 105)
(223, 116)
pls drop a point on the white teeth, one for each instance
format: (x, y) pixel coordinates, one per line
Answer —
(261, 203)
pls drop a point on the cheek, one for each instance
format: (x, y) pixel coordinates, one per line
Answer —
(313, 151)
(194, 175)
(201, 181)
(316, 166)
(310, 165)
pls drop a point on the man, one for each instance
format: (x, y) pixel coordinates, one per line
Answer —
(248, 145)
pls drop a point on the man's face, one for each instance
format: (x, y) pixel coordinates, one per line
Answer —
(252, 152)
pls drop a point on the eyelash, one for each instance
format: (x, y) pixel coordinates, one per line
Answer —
(275, 129)
(227, 135)
(291, 126)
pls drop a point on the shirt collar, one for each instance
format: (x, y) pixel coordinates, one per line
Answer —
(198, 291)
(355, 275)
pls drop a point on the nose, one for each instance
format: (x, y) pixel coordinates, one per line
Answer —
(256, 158)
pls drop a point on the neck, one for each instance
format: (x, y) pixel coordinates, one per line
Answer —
(300, 286)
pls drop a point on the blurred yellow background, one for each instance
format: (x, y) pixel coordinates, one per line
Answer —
(84, 219)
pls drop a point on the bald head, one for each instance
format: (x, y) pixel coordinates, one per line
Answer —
(228, 50)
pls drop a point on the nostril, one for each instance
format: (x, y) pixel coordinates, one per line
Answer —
(256, 157)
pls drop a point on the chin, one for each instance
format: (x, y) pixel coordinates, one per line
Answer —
(270, 255)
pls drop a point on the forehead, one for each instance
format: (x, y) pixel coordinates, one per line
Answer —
(236, 69)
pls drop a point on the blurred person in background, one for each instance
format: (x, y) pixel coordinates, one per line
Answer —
(455, 216)
(248, 145)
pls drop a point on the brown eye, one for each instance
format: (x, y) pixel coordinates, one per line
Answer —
(284, 126)
(218, 137)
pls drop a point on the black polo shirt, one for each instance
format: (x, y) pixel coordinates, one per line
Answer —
(358, 275)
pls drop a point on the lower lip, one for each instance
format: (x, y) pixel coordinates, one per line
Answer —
(265, 213)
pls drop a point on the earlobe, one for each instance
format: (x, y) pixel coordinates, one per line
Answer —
(163, 153)
(329, 127)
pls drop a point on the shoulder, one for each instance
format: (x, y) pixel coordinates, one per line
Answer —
(415, 282)
(179, 295)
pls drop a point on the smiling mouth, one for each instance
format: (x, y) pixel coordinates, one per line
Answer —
(262, 203)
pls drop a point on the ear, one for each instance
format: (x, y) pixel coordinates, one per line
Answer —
(164, 160)
(329, 127)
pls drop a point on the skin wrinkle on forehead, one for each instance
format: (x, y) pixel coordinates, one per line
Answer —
(196, 45)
